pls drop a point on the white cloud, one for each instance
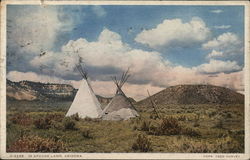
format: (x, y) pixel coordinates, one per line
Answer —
(182, 75)
(38, 31)
(222, 27)
(222, 41)
(227, 43)
(174, 32)
(233, 80)
(217, 11)
(99, 11)
(137, 91)
(217, 66)
(110, 51)
(149, 70)
(55, 63)
(17, 76)
(214, 53)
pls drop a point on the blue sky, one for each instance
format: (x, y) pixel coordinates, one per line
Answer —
(122, 19)
(187, 44)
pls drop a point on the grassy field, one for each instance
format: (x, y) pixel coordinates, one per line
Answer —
(42, 127)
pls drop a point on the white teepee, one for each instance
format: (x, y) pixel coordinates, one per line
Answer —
(85, 103)
(120, 107)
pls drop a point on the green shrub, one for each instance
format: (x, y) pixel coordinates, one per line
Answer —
(55, 116)
(86, 133)
(135, 127)
(43, 123)
(57, 125)
(36, 144)
(88, 119)
(181, 118)
(153, 115)
(219, 124)
(191, 132)
(197, 147)
(69, 124)
(142, 144)
(220, 145)
(169, 126)
(21, 119)
(229, 115)
(75, 117)
(46, 121)
(196, 124)
(145, 126)
(212, 113)
(153, 130)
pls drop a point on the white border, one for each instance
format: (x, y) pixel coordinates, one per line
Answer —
(247, 81)
(3, 81)
(5, 155)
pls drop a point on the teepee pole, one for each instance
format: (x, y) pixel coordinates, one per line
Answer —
(153, 105)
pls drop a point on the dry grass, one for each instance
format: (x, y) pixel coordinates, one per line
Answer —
(185, 129)
(142, 144)
(36, 144)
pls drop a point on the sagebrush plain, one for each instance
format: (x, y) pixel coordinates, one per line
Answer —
(34, 126)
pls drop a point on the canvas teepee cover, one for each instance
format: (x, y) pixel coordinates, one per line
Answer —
(85, 102)
(120, 107)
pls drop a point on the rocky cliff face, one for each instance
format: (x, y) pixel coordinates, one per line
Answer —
(26, 90)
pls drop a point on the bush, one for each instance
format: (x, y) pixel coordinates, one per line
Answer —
(153, 130)
(69, 124)
(36, 144)
(75, 117)
(142, 144)
(135, 127)
(229, 115)
(21, 119)
(196, 147)
(55, 117)
(47, 121)
(191, 132)
(196, 124)
(153, 115)
(57, 125)
(88, 119)
(220, 145)
(86, 133)
(212, 114)
(182, 118)
(43, 123)
(219, 125)
(169, 126)
(145, 126)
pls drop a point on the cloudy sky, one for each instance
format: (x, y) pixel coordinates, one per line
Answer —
(162, 45)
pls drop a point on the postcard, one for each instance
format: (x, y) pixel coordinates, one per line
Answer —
(124, 80)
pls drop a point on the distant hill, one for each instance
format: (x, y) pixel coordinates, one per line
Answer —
(27, 90)
(195, 94)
